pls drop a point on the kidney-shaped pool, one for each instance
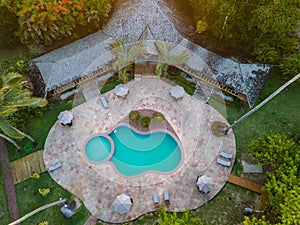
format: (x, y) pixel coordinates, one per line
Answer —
(133, 153)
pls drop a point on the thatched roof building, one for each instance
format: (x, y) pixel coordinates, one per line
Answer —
(148, 21)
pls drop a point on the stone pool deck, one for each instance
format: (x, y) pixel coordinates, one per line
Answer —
(97, 184)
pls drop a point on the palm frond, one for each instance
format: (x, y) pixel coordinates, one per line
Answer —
(11, 79)
(8, 129)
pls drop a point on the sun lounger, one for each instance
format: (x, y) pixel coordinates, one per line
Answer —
(55, 167)
(104, 102)
(155, 199)
(223, 162)
(166, 197)
(226, 155)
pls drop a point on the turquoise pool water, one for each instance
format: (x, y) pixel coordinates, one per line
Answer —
(98, 148)
(136, 153)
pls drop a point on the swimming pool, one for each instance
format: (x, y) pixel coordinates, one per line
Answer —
(136, 153)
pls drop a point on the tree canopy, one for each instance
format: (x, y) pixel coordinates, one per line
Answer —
(42, 21)
(264, 28)
(280, 154)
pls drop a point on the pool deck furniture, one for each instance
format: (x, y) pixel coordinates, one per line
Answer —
(69, 209)
(54, 167)
(166, 197)
(223, 162)
(226, 155)
(155, 199)
(104, 102)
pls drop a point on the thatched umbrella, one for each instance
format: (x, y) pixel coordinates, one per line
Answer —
(205, 184)
(122, 203)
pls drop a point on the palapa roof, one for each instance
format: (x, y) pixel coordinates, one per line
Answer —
(246, 78)
(148, 21)
(75, 60)
(130, 18)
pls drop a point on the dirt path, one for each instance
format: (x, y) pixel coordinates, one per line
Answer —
(9, 183)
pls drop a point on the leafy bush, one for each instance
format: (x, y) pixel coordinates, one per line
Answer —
(35, 176)
(159, 116)
(43, 223)
(145, 121)
(134, 115)
(290, 66)
(44, 191)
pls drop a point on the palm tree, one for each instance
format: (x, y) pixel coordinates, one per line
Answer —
(125, 56)
(166, 59)
(13, 97)
(225, 129)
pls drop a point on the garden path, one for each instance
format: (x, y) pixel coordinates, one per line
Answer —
(9, 183)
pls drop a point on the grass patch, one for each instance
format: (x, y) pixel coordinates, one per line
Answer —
(29, 199)
(109, 86)
(226, 207)
(187, 88)
(38, 127)
(4, 218)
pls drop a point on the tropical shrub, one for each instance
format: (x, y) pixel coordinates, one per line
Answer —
(44, 191)
(43, 223)
(280, 154)
(158, 115)
(134, 115)
(168, 218)
(35, 176)
(145, 121)
(290, 66)
(201, 26)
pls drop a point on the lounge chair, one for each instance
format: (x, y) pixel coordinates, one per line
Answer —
(223, 162)
(155, 199)
(55, 167)
(166, 197)
(104, 102)
(226, 155)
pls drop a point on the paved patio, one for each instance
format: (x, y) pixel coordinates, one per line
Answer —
(97, 184)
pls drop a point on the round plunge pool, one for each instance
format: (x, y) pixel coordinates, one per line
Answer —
(98, 148)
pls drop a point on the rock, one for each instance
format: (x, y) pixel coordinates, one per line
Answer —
(251, 168)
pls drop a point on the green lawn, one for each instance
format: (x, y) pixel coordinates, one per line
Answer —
(4, 218)
(38, 127)
(29, 199)
(227, 206)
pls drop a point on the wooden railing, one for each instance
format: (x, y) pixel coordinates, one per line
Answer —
(78, 81)
(212, 82)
